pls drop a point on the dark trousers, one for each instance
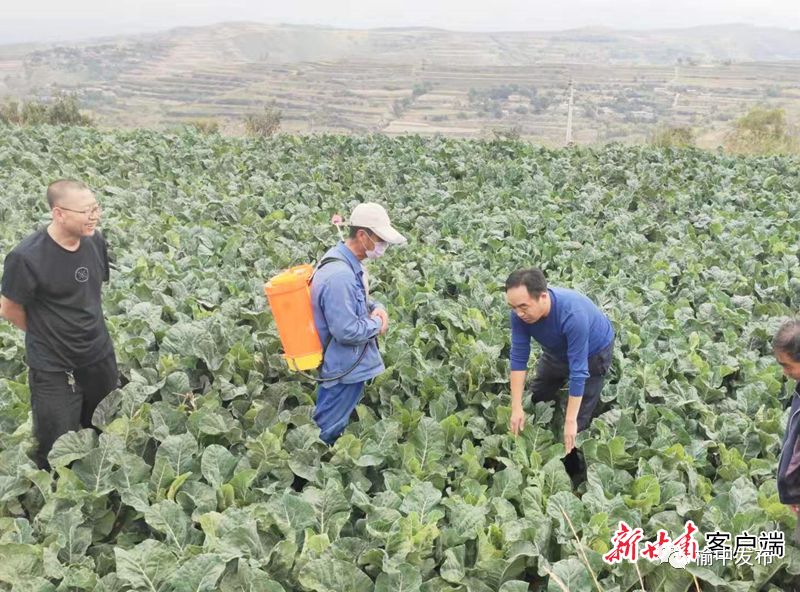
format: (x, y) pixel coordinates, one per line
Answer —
(333, 409)
(59, 407)
(552, 374)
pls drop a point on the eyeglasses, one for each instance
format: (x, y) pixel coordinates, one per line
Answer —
(93, 211)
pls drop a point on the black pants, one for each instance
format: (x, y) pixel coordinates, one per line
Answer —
(59, 407)
(552, 374)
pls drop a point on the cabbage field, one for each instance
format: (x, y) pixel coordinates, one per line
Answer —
(208, 473)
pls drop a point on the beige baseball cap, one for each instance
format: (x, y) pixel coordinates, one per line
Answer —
(373, 216)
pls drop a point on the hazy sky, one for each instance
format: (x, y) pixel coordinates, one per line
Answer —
(46, 20)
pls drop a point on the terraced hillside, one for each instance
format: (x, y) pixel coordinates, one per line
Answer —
(423, 81)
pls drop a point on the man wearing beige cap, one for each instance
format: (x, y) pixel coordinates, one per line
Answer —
(348, 320)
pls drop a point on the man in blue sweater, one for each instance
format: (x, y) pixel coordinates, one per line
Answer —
(347, 319)
(577, 341)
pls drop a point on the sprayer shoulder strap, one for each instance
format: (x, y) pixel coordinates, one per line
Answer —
(327, 260)
(322, 264)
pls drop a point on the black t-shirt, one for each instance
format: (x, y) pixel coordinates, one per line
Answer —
(60, 291)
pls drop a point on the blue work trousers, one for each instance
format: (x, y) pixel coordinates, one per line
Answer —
(333, 409)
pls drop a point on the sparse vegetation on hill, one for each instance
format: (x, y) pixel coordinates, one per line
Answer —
(62, 110)
(673, 137)
(265, 123)
(763, 131)
(205, 126)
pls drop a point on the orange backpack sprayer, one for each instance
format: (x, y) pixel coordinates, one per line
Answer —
(289, 297)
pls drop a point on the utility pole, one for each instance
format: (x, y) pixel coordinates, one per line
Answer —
(674, 82)
(569, 112)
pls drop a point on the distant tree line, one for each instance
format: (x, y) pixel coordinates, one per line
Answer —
(61, 110)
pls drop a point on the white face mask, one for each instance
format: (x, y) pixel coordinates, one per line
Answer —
(377, 251)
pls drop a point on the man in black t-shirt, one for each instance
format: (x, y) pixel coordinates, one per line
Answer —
(51, 289)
